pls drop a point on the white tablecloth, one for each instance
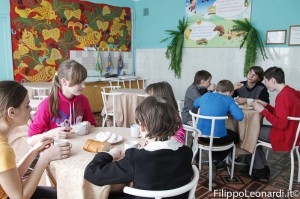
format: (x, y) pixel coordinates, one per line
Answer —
(68, 173)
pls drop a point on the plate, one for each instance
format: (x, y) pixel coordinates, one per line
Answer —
(246, 108)
(103, 136)
(119, 139)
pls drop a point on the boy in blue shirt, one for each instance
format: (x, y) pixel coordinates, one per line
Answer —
(219, 103)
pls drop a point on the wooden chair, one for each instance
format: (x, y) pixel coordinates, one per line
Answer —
(294, 148)
(191, 187)
(211, 147)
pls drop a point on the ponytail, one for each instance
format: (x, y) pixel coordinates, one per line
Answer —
(53, 101)
(73, 72)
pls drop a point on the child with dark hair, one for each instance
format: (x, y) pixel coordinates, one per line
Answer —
(201, 84)
(281, 134)
(153, 166)
(219, 103)
(65, 105)
(253, 87)
(165, 91)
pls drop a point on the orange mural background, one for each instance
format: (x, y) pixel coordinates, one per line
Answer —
(43, 32)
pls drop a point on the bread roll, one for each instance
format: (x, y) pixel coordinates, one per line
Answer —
(96, 146)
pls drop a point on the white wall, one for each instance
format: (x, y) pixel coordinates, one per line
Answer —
(222, 63)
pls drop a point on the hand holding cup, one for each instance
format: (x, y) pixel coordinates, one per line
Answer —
(115, 153)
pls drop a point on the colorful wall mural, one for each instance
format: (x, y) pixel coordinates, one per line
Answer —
(43, 32)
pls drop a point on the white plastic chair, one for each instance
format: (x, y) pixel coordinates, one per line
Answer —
(130, 82)
(109, 113)
(195, 133)
(118, 82)
(40, 93)
(145, 80)
(107, 89)
(211, 147)
(294, 148)
(180, 104)
(191, 187)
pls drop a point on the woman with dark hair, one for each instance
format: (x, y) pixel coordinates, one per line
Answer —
(14, 112)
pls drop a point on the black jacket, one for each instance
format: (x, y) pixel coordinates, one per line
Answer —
(150, 170)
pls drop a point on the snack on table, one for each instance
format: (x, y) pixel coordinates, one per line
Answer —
(104, 136)
(96, 146)
(112, 138)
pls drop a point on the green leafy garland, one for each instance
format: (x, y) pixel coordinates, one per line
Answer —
(251, 39)
(174, 49)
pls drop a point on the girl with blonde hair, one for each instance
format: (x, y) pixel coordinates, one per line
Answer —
(65, 105)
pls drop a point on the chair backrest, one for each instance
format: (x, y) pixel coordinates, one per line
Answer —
(191, 187)
(40, 93)
(118, 82)
(180, 104)
(144, 84)
(105, 100)
(298, 129)
(213, 121)
(195, 133)
(106, 89)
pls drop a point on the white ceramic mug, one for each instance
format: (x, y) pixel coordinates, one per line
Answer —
(81, 128)
(135, 130)
(59, 141)
(250, 101)
(131, 144)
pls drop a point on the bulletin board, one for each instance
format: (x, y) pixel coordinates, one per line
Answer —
(210, 22)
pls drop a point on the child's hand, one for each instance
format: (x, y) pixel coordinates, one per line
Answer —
(115, 153)
(212, 87)
(238, 85)
(240, 100)
(60, 132)
(257, 106)
(88, 126)
(263, 103)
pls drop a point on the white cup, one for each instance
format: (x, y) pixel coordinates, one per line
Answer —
(131, 144)
(81, 128)
(250, 101)
(135, 130)
(59, 141)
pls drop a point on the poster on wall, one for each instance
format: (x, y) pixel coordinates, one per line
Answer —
(210, 22)
(43, 32)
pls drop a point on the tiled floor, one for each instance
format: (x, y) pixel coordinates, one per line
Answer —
(242, 184)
